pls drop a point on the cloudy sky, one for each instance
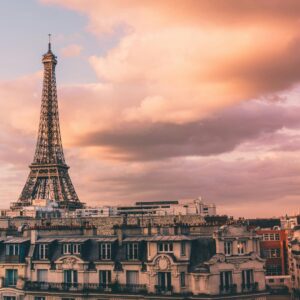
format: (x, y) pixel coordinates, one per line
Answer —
(159, 100)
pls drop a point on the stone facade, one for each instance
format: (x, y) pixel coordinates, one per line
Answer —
(130, 264)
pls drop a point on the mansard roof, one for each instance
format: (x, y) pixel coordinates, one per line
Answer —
(16, 240)
(202, 250)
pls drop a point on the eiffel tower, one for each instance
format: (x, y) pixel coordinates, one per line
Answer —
(49, 178)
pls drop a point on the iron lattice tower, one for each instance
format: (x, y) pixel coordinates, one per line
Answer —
(49, 177)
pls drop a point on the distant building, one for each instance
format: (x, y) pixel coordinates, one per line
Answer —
(39, 209)
(155, 208)
(105, 211)
(289, 222)
(274, 249)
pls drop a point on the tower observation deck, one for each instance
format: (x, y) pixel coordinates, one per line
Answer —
(49, 177)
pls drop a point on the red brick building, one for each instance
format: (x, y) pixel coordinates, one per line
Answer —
(273, 247)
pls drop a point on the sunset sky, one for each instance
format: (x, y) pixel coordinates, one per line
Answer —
(159, 100)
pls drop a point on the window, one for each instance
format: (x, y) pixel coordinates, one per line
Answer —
(271, 253)
(43, 251)
(271, 280)
(182, 248)
(70, 276)
(247, 279)
(11, 277)
(271, 236)
(165, 247)
(241, 247)
(105, 277)
(9, 298)
(182, 279)
(132, 277)
(225, 280)
(228, 247)
(39, 298)
(132, 251)
(42, 275)
(67, 248)
(76, 249)
(105, 251)
(12, 249)
(164, 280)
(273, 270)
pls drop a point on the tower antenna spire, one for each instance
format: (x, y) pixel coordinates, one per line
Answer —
(49, 178)
(49, 43)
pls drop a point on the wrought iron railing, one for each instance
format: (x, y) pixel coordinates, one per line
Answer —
(163, 289)
(9, 283)
(13, 259)
(86, 287)
(250, 287)
(228, 289)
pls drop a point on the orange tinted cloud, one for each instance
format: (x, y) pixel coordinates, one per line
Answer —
(193, 58)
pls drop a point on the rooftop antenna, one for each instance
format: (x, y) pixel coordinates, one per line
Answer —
(49, 43)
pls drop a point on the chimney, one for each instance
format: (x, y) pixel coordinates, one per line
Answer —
(120, 235)
(33, 236)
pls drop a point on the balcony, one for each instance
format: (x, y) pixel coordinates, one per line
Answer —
(250, 287)
(130, 288)
(228, 289)
(86, 287)
(13, 259)
(166, 290)
(9, 283)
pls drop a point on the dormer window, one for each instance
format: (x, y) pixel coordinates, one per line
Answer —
(228, 248)
(72, 249)
(241, 247)
(76, 248)
(43, 251)
(105, 251)
(12, 249)
(67, 248)
(165, 247)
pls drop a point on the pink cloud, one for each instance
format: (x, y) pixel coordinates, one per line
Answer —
(71, 50)
(197, 58)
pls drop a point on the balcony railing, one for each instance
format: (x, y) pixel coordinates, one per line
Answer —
(13, 259)
(228, 289)
(130, 288)
(250, 287)
(9, 283)
(163, 289)
(86, 287)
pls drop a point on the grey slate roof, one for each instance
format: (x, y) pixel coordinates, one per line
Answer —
(16, 240)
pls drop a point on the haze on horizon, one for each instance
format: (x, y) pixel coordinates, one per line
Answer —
(159, 100)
